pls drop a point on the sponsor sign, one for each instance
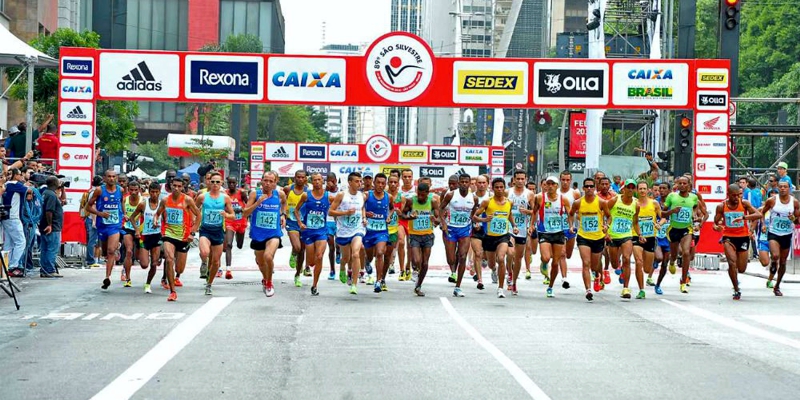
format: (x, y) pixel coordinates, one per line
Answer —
(342, 170)
(76, 111)
(712, 189)
(306, 79)
(712, 78)
(711, 167)
(387, 169)
(399, 67)
(78, 89)
(317, 168)
(257, 157)
(280, 151)
(443, 154)
(79, 179)
(711, 122)
(712, 100)
(80, 157)
(73, 201)
(82, 67)
(497, 171)
(378, 148)
(139, 75)
(474, 155)
(649, 84)
(711, 145)
(343, 153)
(256, 175)
(224, 77)
(312, 152)
(498, 157)
(257, 166)
(490, 82)
(286, 169)
(577, 135)
(431, 172)
(76, 134)
(413, 154)
(576, 83)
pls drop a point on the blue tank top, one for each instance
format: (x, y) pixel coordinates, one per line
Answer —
(315, 213)
(265, 222)
(377, 223)
(110, 202)
(212, 211)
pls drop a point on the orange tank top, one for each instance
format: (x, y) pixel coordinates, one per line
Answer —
(735, 225)
(177, 218)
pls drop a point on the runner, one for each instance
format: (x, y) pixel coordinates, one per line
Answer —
(293, 193)
(730, 220)
(495, 214)
(423, 214)
(108, 200)
(348, 208)
(623, 228)
(397, 202)
(571, 195)
(521, 210)
(178, 214)
(334, 252)
(784, 211)
(130, 231)
(549, 209)
(408, 191)
(460, 204)
(644, 248)
(234, 229)
(367, 185)
(452, 259)
(379, 213)
(680, 207)
(266, 208)
(150, 231)
(605, 193)
(478, 233)
(591, 234)
(312, 222)
(662, 251)
(533, 244)
(216, 208)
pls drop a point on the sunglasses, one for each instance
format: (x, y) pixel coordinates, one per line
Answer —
(588, 186)
(216, 182)
(771, 181)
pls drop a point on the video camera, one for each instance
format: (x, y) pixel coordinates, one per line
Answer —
(40, 179)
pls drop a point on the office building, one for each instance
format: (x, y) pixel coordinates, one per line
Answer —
(401, 122)
(342, 120)
(568, 16)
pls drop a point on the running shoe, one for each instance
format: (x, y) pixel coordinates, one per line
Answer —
(641, 295)
(418, 291)
(173, 296)
(688, 279)
(203, 271)
(338, 258)
(514, 290)
(683, 288)
(307, 271)
(457, 292)
(606, 277)
(178, 282)
(626, 293)
(219, 273)
(480, 285)
(377, 288)
(391, 270)
(370, 280)
(267, 287)
(546, 281)
(369, 268)
(500, 293)
(527, 274)
(549, 292)
(343, 275)
(314, 291)
(650, 282)
(494, 276)
(543, 270)
(672, 269)
(475, 277)
(737, 295)
(770, 285)
(353, 289)
(147, 288)
(127, 283)
(332, 276)
(621, 280)
(565, 285)
(209, 292)
(228, 275)
(402, 276)
(602, 286)
(297, 282)
(361, 278)
(618, 271)
(384, 288)
(122, 276)
(597, 283)
(452, 277)
(658, 290)
(589, 295)
(777, 292)
(106, 283)
(508, 280)
(293, 261)
(414, 276)
(164, 284)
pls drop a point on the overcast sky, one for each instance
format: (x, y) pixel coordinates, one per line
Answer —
(347, 21)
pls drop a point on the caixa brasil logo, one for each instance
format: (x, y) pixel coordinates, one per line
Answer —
(399, 67)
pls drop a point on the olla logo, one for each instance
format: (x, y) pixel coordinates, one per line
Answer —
(379, 148)
(399, 67)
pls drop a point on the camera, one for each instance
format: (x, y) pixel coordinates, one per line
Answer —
(40, 179)
(4, 209)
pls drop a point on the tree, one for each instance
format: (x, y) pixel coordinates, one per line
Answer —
(204, 149)
(286, 124)
(115, 126)
(161, 159)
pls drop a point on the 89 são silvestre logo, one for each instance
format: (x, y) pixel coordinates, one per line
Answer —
(399, 67)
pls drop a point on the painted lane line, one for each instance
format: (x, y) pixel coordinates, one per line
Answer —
(519, 375)
(135, 377)
(740, 326)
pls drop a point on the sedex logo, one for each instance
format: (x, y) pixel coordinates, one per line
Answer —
(228, 77)
(141, 79)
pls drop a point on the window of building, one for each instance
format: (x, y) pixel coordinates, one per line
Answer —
(254, 17)
(150, 111)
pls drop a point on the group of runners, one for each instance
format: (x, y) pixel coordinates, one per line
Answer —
(372, 220)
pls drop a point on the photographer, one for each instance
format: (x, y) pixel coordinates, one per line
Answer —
(50, 228)
(14, 192)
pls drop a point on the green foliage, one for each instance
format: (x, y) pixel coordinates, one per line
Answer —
(707, 29)
(768, 42)
(203, 149)
(287, 123)
(161, 159)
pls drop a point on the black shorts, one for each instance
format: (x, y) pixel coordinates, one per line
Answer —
(490, 243)
(649, 245)
(180, 245)
(150, 242)
(676, 234)
(535, 234)
(552, 238)
(478, 233)
(521, 240)
(215, 236)
(421, 241)
(261, 245)
(619, 242)
(126, 231)
(597, 246)
(784, 242)
(739, 243)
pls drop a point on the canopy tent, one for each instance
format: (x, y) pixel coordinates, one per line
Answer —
(140, 174)
(192, 171)
(162, 177)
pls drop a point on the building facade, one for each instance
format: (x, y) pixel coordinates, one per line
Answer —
(401, 122)
(342, 120)
(568, 16)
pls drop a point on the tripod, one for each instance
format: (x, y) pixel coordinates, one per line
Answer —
(11, 288)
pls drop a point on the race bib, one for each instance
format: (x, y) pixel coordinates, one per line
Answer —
(647, 228)
(148, 228)
(621, 226)
(732, 215)
(267, 220)
(498, 226)
(212, 218)
(459, 218)
(351, 221)
(112, 219)
(662, 232)
(315, 220)
(174, 216)
(376, 224)
(590, 224)
(237, 211)
(291, 214)
(422, 223)
(553, 223)
(520, 220)
(393, 221)
(684, 216)
(781, 225)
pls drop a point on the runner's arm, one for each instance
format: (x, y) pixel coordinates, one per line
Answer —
(636, 222)
(195, 213)
(284, 208)
(253, 201)
(752, 213)
(300, 202)
(229, 214)
(90, 204)
(436, 211)
(334, 211)
(479, 211)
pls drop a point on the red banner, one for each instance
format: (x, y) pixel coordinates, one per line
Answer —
(577, 135)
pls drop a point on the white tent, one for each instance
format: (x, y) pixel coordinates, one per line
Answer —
(140, 174)
(162, 177)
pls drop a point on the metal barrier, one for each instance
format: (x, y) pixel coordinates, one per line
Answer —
(709, 262)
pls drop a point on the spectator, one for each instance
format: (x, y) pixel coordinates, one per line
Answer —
(14, 234)
(13, 131)
(89, 224)
(50, 227)
(617, 185)
(772, 185)
(743, 183)
(19, 141)
(782, 176)
(754, 194)
(48, 145)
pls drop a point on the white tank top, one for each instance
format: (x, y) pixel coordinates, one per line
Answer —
(332, 219)
(409, 194)
(520, 202)
(350, 225)
(149, 217)
(570, 195)
(460, 208)
(550, 219)
(779, 222)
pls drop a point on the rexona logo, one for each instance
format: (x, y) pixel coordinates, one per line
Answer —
(379, 148)
(399, 67)
(77, 67)
(229, 77)
(312, 152)
(140, 79)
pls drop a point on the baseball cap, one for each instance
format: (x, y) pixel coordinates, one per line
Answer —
(13, 130)
(780, 164)
(368, 175)
(629, 182)
(552, 179)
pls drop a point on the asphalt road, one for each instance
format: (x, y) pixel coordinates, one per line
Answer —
(71, 340)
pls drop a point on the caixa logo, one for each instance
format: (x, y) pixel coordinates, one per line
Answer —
(312, 152)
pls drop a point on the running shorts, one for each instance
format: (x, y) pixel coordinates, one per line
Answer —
(785, 241)
(596, 246)
(739, 243)
(491, 243)
(649, 245)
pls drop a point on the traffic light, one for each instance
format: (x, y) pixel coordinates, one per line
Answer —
(666, 160)
(728, 30)
(731, 10)
(531, 165)
(683, 143)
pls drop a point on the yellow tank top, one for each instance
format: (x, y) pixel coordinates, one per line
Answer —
(590, 224)
(647, 219)
(422, 225)
(291, 200)
(130, 208)
(499, 225)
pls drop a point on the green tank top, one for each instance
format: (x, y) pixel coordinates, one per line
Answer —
(622, 219)
(683, 218)
(422, 224)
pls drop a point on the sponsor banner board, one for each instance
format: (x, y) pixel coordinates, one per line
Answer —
(562, 83)
(306, 79)
(712, 100)
(79, 179)
(712, 78)
(76, 111)
(412, 154)
(224, 77)
(139, 75)
(711, 167)
(648, 84)
(712, 190)
(711, 122)
(347, 153)
(278, 151)
(79, 157)
(79, 67)
(577, 135)
(312, 152)
(69, 134)
(711, 145)
(77, 89)
(286, 168)
(490, 82)
(443, 154)
(474, 155)
(317, 168)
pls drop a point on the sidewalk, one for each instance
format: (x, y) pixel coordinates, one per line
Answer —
(754, 268)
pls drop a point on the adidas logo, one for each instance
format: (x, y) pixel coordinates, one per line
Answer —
(461, 172)
(140, 78)
(280, 153)
(76, 113)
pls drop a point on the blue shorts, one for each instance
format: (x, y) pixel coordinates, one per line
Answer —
(310, 237)
(373, 238)
(569, 235)
(106, 231)
(454, 234)
(292, 226)
(763, 245)
(215, 236)
(331, 225)
(345, 241)
(663, 243)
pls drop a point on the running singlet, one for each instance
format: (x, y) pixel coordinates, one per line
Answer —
(397, 204)
(570, 195)
(212, 217)
(779, 222)
(683, 218)
(590, 224)
(350, 225)
(111, 203)
(316, 213)
(291, 200)
(550, 215)
(622, 219)
(330, 218)
(460, 208)
(149, 219)
(647, 219)
(380, 209)
(499, 225)
(177, 219)
(422, 225)
(521, 221)
(733, 228)
(265, 222)
(129, 210)
(482, 225)
(238, 206)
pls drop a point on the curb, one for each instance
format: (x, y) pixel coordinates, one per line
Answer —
(763, 276)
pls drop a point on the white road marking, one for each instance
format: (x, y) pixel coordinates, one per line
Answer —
(789, 323)
(127, 384)
(519, 375)
(731, 323)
